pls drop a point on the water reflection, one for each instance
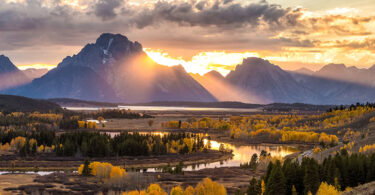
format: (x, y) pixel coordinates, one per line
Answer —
(242, 154)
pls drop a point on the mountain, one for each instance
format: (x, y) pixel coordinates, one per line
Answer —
(300, 74)
(10, 75)
(219, 87)
(352, 74)
(268, 83)
(332, 84)
(115, 69)
(34, 73)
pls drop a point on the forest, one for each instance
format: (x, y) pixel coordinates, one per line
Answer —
(337, 173)
(95, 144)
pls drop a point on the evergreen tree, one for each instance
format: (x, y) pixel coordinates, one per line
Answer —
(311, 179)
(253, 162)
(276, 183)
(268, 173)
(86, 169)
(254, 187)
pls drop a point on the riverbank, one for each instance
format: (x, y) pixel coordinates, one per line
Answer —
(233, 178)
(53, 163)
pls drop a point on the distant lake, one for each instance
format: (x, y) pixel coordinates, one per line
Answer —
(168, 108)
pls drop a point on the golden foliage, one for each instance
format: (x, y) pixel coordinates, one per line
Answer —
(348, 146)
(189, 191)
(40, 149)
(317, 150)
(106, 171)
(49, 117)
(17, 143)
(155, 189)
(88, 125)
(81, 124)
(206, 187)
(4, 147)
(326, 189)
(367, 148)
(177, 191)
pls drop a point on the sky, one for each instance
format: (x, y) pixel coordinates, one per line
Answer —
(202, 35)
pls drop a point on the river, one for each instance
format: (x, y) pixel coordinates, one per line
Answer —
(242, 154)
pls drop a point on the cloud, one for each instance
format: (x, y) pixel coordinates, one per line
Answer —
(105, 9)
(221, 14)
(183, 27)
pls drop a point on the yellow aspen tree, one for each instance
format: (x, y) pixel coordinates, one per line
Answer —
(177, 191)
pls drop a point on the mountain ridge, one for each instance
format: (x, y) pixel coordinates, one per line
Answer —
(114, 69)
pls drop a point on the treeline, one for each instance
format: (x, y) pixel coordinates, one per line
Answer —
(63, 120)
(276, 126)
(116, 113)
(95, 144)
(35, 120)
(341, 171)
(126, 144)
(352, 106)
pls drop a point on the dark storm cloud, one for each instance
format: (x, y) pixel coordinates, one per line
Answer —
(105, 9)
(204, 24)
(39, 24)
(18, 21)
(220, 14)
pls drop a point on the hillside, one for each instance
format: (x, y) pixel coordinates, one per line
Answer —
(68, 102)
(11, 103)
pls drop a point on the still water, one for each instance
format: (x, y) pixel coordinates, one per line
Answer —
(242, 154)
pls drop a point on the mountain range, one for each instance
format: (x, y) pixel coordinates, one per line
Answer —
(116, 69)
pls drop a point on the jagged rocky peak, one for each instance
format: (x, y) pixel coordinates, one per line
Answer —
(107, 50)
(255, 64)
(116, 45)
(254, 61)
(6, 65)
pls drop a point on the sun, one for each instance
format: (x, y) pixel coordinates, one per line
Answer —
(202, 62)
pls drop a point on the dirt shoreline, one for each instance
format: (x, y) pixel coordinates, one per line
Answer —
(53, 163)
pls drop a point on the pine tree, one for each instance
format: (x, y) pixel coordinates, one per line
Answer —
(254, 187)
(86, 169)
(311, 179)
(276, 183)
(253, 162)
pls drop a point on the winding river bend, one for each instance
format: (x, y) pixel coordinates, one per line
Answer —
(242, 154)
